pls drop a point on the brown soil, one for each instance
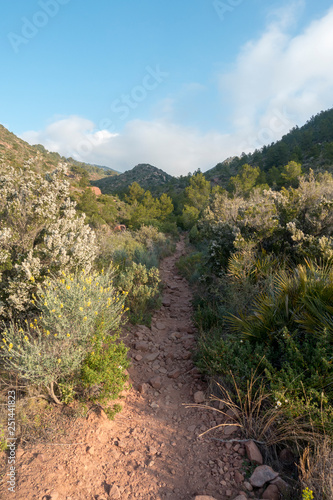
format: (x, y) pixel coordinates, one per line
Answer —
(151, 451)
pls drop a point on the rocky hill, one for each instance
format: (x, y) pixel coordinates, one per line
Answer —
(311, 145)
(15, 151)
(146, 175)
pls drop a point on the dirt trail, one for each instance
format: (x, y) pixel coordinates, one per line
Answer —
(151, 451)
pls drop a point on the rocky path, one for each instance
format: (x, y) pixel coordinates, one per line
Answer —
(151, 451)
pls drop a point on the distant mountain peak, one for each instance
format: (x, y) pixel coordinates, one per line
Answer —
(148, 176)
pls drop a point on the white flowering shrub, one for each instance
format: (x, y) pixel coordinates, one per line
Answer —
(293, 222)
(39, 231)
(72, 309)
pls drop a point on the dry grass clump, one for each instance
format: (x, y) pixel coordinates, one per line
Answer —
(252, 411)
(316, 469)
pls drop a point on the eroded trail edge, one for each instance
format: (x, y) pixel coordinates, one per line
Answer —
(151, 451)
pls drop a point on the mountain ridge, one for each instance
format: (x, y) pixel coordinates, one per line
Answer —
(148, 176)
(311, 145)
(15, 151)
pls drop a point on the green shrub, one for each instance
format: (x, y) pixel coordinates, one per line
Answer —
(104, 369)
(191, 265)
(147, 258)
(141, 287)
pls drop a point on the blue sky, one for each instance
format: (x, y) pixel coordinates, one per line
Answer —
(178, 84)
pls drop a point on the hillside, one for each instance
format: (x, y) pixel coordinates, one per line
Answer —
(311, 145)
(146, 175)
(14, 151)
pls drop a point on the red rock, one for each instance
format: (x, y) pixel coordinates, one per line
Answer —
(271, 493)
(156, 382)
(96, 190)
(241, 497)
(253, 453)
(203, 497)
(175, 373)
(281, 484)
(239, 478)
(142, 388)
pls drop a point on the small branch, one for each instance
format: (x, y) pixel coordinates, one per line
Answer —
(237, 440)
(51, 393)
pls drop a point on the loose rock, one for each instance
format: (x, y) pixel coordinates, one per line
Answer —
(253, 453)
(204, 497)
(152, 356)
(261, 475)
(142, 346)
(228, 430)
(248, 486)
(142, 388)
(114, 492)
(156, 382)
(271, 493)
(239, 478)
(175, 373)
(199, 397)
(281, 484)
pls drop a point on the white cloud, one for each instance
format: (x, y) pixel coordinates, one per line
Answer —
(69, 135)
(280, 74)
(170, 147)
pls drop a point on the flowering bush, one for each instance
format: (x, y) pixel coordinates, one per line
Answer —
(295, 222)
(71, 309)
(40, 230)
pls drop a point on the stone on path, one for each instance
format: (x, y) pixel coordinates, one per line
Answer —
(156, 382)
(203, 497)
(253, 453)
(175, 373)
(152, 356)
(160, 325)
(114, 492)
(261, 475)
(199, 397)
(240, 497)
(142, 388)
(141, 346)
(239, 478)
